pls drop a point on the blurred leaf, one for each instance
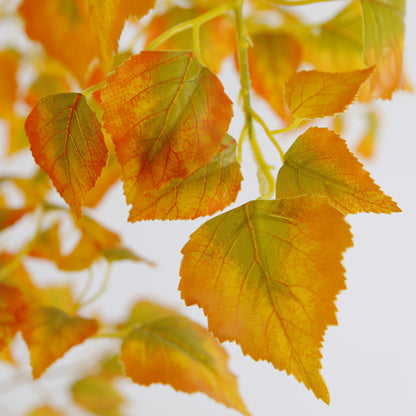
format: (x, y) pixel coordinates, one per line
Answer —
(49, 333)
(165, 347)
(97, 395)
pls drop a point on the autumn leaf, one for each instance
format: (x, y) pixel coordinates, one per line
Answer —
(45, 411)
(320, 163)
(63, 32)
(273, 59)
(204, 192)
(266, 275)
(165, 347)
(167, 116)
(47, 244)
(9, 65)
(313, 94)
(337, 46)
(49, 333)
(67, 143)
(106, 21)
(9, 216)
(97, 395)
(383, 44)
(217, 37)
(12, 309)
(367, 143)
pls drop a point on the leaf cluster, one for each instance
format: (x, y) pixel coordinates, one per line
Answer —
(266, 273)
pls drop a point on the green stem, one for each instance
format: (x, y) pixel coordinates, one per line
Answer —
(189, 24)
(242, 44)
(292, 126)
(269, 134)
(100, 291)
(90, 90)
(197, 44)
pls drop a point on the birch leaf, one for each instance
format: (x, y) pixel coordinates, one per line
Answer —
(167, 116)
(266, 275)
(320, 163)
(67, 143)
(314, 94)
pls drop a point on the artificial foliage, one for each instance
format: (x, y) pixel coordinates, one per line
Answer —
(156, 117)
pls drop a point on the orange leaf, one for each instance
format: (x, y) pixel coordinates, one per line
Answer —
(266, 275)
(167, 116)
(9, 216)
(106, 21)
(273, 59)
(9, 64)
(320, 163)
(217, 36)
(165, 347)
(312, 94)
(12, 309)
(59, 26)
(208, 190)
(50, 333)
(67, 143)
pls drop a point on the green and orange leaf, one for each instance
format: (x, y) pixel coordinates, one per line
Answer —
(165, 347)
(67, 143)
(63, 32)
(167, 116)
(273, 59)
(204, 192)
(49, 333)
(320, 163)
(383, 44)
(266, 275)
(314, 94)
(217, 37)
(106, 20)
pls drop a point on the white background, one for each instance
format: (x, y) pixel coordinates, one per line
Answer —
(369, 359)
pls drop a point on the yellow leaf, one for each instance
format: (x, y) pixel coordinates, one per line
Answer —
(320, 163)
(165, 347)
(45, 411)
(167, 116)
(383, 44)
(313, 94)
(204, 192)
(266, 275)
(273, 59)
(49, 333)
(67, 143)
(106, 21)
